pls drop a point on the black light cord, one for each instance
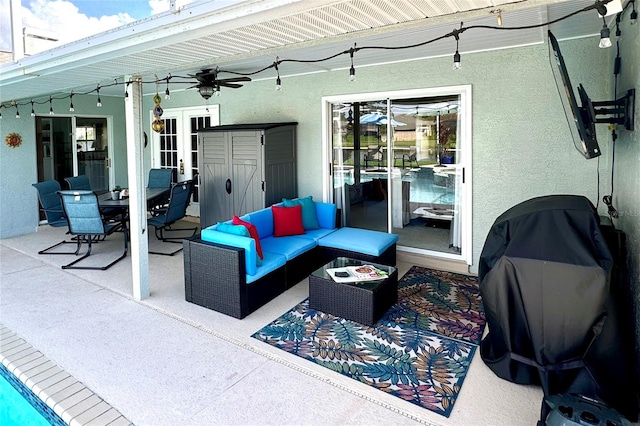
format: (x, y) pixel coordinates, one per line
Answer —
(599, 5)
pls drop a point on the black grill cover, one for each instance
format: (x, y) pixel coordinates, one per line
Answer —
(544, 279)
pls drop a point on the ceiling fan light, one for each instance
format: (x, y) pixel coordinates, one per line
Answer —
(205, 91)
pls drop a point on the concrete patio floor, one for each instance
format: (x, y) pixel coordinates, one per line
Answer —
(164, 361)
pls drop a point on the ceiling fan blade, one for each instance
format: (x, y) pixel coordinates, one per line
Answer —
(232, 85)
(235, 79)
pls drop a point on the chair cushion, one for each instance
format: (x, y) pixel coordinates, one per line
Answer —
(287, 221)
(309, 216)
(365, 241)
(253, 232)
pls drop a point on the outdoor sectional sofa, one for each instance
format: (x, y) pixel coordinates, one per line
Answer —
(222, 271)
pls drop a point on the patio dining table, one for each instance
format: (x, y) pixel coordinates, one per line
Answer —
(105, 199)
(122, 205)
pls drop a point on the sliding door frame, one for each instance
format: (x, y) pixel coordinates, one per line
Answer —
(464, 144)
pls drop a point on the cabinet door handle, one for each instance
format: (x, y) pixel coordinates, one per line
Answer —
(228, 186)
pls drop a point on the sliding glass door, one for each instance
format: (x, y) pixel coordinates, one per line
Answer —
(399, 162)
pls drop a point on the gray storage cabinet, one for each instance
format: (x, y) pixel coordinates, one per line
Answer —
(244, 168)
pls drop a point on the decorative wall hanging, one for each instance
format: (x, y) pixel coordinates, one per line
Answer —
(158, 124)
(13, 140)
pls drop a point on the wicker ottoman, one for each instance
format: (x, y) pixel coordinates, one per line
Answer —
(364, 302)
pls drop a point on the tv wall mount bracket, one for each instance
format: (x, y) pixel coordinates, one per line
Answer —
(621, 111)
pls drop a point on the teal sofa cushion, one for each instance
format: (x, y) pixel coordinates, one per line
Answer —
(240, 241)
(326, 214)
(365, 241)
(290, 246)
(263, 221)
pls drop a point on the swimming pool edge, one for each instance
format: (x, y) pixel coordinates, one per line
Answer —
(71, 400)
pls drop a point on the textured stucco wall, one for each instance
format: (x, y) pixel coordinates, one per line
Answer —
(18, 200)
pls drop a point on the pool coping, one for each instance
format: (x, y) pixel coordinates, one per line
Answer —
(71, 400)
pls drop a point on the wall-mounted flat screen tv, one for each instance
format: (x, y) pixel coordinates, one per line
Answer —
(581, 118)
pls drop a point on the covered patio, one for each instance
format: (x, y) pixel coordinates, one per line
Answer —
(165, 361)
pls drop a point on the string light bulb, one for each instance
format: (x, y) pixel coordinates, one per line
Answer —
(167, 95)
(50, 106)
(33, 113)
(605, 41)
(278, 81)
(126, 90)
(99, 103)
(633, 18)
(499, 17)
(17, 112)
(457, 64)
(352, 70)
(71, 108)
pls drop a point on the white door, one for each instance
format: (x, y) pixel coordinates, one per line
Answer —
(176, 147)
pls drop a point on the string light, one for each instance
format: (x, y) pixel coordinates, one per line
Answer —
(51, 106)
(17, 111)
(457, 64)
(633, 18)
(605, 41)
(126, 90)
(278, 82)
(33, 113)
(99, 103)
(71, 108)
(499, 13)
(352, 70)
(598, 5)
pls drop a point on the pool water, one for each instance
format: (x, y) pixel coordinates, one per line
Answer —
(18, 404)
(422, 190)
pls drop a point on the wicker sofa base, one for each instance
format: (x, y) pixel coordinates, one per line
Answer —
(215, 278)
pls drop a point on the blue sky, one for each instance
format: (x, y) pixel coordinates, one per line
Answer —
(138, 9)
(75, 19)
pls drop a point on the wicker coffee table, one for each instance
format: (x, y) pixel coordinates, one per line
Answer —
(364, 302)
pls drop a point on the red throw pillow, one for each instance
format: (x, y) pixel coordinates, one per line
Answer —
(287, 221)
(253, 232)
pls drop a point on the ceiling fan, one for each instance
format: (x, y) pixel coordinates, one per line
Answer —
(209, 83)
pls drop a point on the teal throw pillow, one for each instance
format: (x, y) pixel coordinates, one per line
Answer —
(309, 216)
(241, 230)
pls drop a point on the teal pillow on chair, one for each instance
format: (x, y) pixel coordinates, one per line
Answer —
(241, 230)
(309, 216)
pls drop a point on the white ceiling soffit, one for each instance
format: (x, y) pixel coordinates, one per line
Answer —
(248, 36)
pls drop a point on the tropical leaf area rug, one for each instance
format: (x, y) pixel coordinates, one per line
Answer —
(419, 351)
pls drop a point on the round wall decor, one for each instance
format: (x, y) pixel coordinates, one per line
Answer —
(13, 140)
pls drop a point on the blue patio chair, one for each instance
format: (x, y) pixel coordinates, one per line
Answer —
(163, 221)
(87, 223)
(52, 208)
(81, 182)
(159, 178)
